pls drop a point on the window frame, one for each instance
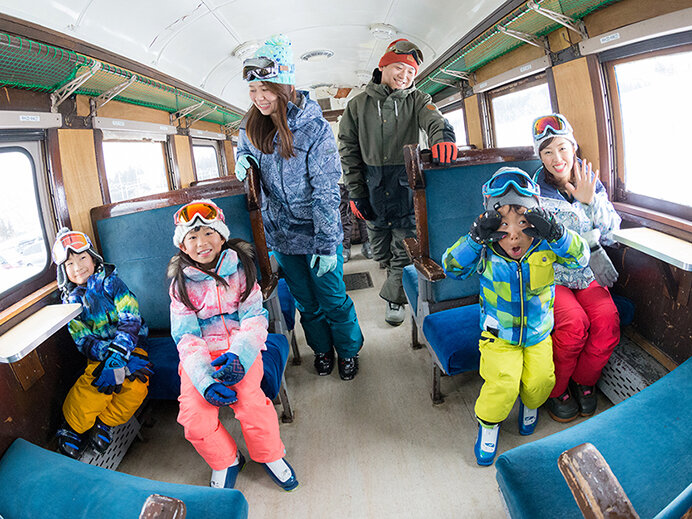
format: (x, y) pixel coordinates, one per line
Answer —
(210, 143)
(453, 107)
(661, 211)
(33, 145)
(544, 77)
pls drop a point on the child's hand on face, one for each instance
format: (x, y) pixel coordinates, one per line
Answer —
(584, 186)
(485, 229)
(544, 225)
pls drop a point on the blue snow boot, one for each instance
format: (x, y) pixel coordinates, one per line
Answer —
(486, 443)
(70, 442)
(226, 478)
(528, 418)
(100, 437)
(289, 484)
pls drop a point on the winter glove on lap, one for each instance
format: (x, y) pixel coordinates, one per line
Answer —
(219, 395)
(138, 367)
(109, 375)
(602, 268)
(231, 371)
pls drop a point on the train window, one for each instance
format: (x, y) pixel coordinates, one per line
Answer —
(648, 141)
(134, 169)
(24, 248)
(456, 117)
(514, 107)
(206, 156)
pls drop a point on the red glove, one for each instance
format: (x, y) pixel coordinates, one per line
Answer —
(444, 152)
(362, 209)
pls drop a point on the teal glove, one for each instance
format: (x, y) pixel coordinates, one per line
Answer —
(241, 167)
(327, 263)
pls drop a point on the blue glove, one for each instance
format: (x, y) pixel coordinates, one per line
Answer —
(219, 395)
(241, 167)
(327, 263)
(109, 375)
(138, 367)
(231, 370)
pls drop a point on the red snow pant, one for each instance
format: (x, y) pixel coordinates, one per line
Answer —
(254, 411)
(587, 329)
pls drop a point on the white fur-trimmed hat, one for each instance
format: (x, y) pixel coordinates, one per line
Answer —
(196, 219)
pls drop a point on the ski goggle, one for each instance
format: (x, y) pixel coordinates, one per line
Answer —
(72, 241)
(204, 211)
(503, 180)
(555, 124)
(406, 47)
(263, 68)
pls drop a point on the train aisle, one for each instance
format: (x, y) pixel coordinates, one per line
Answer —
(374, 447)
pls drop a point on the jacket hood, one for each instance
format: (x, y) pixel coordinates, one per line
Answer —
(304, 111)
(95, 281)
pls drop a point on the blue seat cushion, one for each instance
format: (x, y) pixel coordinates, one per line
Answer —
(274, 359)
(288, 304)
(410, 282)
(165, 382)
(454, 334)
(41, 483)
(645, 439)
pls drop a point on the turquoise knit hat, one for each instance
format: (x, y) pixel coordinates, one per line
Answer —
(278, 48)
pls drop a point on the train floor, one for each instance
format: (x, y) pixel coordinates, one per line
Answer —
(373, 447)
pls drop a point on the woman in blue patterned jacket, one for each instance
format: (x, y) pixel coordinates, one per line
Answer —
(286, 135)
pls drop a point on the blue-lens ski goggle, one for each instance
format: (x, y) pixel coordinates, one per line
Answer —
(503, 180)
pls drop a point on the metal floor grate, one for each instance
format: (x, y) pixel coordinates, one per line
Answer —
(357, 280)
(629, 370)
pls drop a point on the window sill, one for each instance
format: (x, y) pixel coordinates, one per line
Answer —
(23, 338)
(666, 223)
(669, 249)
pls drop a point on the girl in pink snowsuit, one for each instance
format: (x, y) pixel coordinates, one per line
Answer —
(220, 327)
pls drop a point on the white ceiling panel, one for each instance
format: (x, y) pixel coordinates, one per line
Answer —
(193, 40)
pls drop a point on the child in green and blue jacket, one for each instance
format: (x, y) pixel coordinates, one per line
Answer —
(513, 246)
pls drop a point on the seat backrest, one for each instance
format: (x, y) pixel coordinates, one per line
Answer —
(453, 201)
(140, 242)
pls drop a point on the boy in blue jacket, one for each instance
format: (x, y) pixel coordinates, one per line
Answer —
(513, 246)
(110, 332)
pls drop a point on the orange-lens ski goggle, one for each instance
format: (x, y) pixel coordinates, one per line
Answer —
(72, 241)
(406, 47)
(201, 210)
(555, 124)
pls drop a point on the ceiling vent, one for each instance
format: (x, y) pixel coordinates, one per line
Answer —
(382, 31)
(246, 49)
(317, 55)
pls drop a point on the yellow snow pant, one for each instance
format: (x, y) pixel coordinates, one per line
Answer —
(84, 403)
(510, 370)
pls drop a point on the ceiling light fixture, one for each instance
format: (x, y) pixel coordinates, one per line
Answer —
(246, 49)
(382, 31)
(317, 55)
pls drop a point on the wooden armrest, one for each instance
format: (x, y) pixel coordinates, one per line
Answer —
(594, 486)
(429, 269)
(163, 507)
(412, 248)
(268, 285)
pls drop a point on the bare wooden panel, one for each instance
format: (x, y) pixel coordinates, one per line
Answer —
(183, 157)
(230, 158)
(575, 98)
(80, 176)
(512, 59)
(626, 12)
(207, 126)
(27, 370)
(119, 110)
(594, 486)
(473, 121)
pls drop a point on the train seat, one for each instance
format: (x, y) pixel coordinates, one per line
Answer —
(41, 483)
(451, 337)
(135, 243)
(645, 439)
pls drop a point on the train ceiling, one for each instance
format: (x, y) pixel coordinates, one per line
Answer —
(203, 42)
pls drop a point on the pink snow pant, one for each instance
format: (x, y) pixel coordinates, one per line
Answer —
(587, 329)
(254, 411)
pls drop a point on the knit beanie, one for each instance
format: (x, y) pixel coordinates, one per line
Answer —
(567, 132)
(218, 224)
(278, 48)
(390, 56)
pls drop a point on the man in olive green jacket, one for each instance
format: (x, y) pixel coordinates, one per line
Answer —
(373, 131)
